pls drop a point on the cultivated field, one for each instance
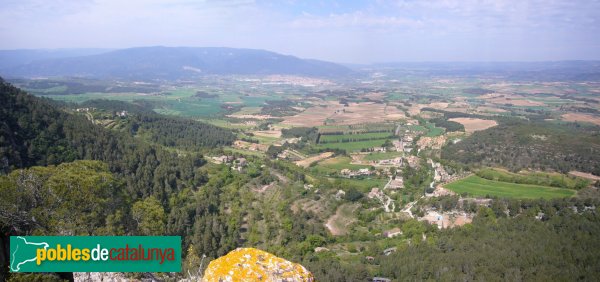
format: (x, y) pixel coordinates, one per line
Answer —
(358, 137)
(477, 186)
(581, 117)
(514, 100)
(475, 124)
(306, 162)
(336, 113)
(268, 133)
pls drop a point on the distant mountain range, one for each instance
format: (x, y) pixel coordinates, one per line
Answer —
(573, 70)
(160, 63)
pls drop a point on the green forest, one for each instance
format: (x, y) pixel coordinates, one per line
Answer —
(519, 144)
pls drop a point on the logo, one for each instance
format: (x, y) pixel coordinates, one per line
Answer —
(95, 253)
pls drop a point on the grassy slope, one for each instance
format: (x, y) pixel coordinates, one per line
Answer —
(478, 186)
(353, 146)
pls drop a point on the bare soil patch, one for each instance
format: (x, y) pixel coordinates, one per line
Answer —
(343, 217)
(447, 220)
(474, 124)
(438, 105)
(510, 99)
(306, 162)
(337, 114)
(581, 117)
(268, 133)
(585, 175)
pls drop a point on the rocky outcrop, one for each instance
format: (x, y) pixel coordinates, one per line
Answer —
(100, 276)
(248, 264)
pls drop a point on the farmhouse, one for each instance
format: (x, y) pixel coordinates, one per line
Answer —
(239, 164)
(223, 159)
(412, 161)
(351, 173)
(394, 183)
(82, 110)
(392, 232)
(374, 193)
(440, 173)
(449, 219)
(396, 161)
(398, 145)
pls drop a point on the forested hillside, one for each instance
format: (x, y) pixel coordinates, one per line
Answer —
(166, 130)
(559, 248)
(531, 144)
(137, 181)
(34, 132)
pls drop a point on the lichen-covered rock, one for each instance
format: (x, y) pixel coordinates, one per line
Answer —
(248, 264)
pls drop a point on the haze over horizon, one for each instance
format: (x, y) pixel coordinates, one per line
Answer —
(345, 32)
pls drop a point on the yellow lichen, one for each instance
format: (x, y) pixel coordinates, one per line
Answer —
(249, 264)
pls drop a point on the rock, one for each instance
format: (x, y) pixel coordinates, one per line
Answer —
(100, 276)
(249, 264)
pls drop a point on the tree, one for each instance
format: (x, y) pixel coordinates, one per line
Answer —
(150, 216)
(353, 195)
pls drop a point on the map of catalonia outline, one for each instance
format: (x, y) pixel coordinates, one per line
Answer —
(13, 255)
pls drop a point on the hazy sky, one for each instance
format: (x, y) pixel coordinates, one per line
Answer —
(340, 31)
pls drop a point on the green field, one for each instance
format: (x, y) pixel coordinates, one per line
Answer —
(429, 129)
(433, 131)
(353, 146)
(477, 186)
(534, 178)
(180, 101)
(382, 156)
(361, 136)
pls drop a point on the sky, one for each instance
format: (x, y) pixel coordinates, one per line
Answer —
(339, 31)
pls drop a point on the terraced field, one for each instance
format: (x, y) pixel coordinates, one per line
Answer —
(357, 137)
(477, 186)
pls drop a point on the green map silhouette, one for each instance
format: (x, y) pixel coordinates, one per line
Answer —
(24, 252)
